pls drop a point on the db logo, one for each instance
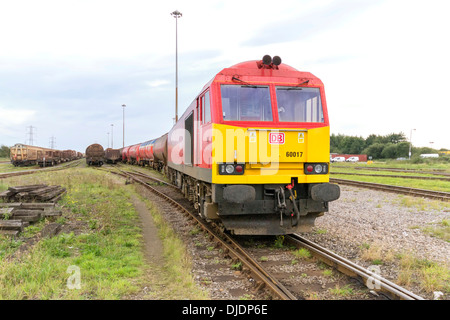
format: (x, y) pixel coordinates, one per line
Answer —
(276, 138)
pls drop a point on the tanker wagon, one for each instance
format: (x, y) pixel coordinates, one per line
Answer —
(95, 155)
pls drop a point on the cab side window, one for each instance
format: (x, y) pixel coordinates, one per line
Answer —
(206, 108)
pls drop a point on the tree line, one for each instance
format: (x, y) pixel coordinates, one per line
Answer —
(391, 146)
(4, 152)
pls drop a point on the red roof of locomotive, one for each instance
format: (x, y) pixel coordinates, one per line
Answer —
(255, 71)
(254, 64)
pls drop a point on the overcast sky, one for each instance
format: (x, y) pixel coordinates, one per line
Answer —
(66, 67)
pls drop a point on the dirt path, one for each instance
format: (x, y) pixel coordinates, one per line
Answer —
(153, 247)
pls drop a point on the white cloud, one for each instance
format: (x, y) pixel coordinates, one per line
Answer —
(157, 83)
(15, 117)
(13, 121)
(69, 64)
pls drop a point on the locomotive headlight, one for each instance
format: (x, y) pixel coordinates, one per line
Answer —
(229, 169)
(316, 168)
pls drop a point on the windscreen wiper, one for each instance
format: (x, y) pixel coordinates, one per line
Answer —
(304, 82)
(237, 79)
(297, 87)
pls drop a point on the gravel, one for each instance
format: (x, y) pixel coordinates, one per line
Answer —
(392, 223)
(361, 218)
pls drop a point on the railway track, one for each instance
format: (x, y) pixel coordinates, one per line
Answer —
(71, 164)
(232, 247)
(392, 176)
(371, 279)
(438, 195)
(440, 172)
(258, 272)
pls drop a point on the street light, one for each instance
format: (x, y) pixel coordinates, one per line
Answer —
(176, 14)
(410, 142)
(112, 137)
(123, 133)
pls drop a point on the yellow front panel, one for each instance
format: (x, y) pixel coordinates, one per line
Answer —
(266, 162)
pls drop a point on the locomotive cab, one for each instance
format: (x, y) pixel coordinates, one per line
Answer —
(252, 150)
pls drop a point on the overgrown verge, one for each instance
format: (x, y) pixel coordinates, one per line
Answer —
(97, 254)
(173, 279)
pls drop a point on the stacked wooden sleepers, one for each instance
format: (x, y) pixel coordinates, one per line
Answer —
(31, 203)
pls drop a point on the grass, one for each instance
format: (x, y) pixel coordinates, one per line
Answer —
(174, 279)
(436, 185)
(428, 275)
(302, 253)
(338, 171)
(376, 255)
(345, 291)
(403, 165)
(104, 244)
(421, 204)
(439, 230)
(106, 249)
(279, 242)
(8, 167)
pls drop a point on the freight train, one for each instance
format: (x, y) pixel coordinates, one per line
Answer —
(26, 155)
(95, 155)
(251, 150)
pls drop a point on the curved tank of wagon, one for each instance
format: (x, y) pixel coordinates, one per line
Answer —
(95, 155)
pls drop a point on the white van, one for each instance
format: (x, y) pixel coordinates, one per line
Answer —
(352, 159)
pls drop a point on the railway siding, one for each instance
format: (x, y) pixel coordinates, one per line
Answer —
(439, 195)
(391, 232)
(307, 279)
(437, 180)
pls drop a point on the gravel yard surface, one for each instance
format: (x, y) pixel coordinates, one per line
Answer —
(389, 223)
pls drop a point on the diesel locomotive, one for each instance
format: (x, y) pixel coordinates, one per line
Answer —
(252, 150)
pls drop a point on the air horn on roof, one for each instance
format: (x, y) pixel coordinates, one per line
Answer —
(268, 63)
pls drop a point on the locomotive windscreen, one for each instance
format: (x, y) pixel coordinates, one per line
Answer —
(246, 103)
(299, 104)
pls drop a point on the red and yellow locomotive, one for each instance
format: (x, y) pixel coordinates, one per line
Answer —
(252, 149)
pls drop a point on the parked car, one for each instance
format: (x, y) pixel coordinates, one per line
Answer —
(352, 159)
(338, 159)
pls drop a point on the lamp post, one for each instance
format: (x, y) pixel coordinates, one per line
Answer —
(123, 133)
(410, 142)
(176, 14)
(112, 137)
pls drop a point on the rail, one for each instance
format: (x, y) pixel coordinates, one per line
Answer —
(227, 242)
(233, 248)
(439, 195)
(371, 279)
(70, 164)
